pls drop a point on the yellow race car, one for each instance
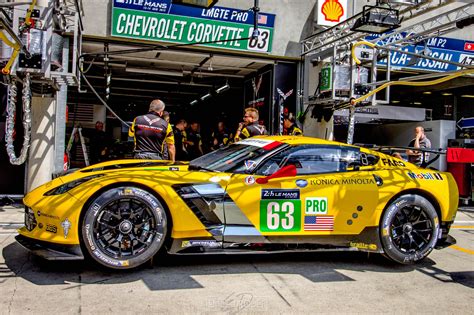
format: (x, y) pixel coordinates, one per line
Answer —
(267, 193)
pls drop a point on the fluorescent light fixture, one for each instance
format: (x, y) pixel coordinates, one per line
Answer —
(223, 88)
(427, 92)
(447, 94)
(377, 20)
(193, 102)
(395, 101)
(205, 97)
(213, 74)
(465, 22)
(468, 96)
(154, 71)
(417, 103)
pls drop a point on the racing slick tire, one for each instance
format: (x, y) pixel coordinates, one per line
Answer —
(124, 227)
(409, 229)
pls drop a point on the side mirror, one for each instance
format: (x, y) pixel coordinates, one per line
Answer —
(286, 171)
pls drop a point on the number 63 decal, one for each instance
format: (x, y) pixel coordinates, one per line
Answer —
(261, 42)
(280, 215)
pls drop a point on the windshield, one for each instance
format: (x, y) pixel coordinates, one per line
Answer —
(228, 158)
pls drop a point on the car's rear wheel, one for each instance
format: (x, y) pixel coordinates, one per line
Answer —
(409, 229)
(124, 227)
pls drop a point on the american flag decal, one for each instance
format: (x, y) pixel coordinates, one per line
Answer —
(319, 223)
(262, 19)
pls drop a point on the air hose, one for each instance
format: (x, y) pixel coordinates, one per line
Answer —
(10, 120)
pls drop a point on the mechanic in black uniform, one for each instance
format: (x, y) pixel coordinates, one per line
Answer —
(180, 139)
(289, 126)
(194, 141)
(221, 137)
(249, 127)
(151, 132)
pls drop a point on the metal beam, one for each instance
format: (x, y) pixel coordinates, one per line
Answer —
(341, 34)
(427, 28)
(151, 81)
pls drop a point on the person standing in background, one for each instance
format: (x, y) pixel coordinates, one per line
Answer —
(221, 137)
(151, 132)
(250, 126)
(194, 142)
(166, 155)
(289, 126)
(420, 141)
(180, 139)
(99, 143)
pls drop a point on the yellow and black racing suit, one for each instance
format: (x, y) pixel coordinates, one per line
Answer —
(151, 133)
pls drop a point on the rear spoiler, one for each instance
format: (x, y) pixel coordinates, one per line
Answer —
(390, 150)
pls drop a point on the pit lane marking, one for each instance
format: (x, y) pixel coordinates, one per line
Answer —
(12, 224)
(462, 227)
(461, 249)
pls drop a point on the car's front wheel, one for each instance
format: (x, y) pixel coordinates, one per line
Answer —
(124, 227)
(409, 229)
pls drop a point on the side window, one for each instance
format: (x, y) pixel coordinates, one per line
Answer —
(312, 159)
(365, 159)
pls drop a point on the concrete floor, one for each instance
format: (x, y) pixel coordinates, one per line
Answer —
(284, 283)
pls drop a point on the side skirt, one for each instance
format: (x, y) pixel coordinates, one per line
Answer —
(367, 241)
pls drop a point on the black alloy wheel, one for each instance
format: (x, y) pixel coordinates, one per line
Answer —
(124, 227)
(409, 229)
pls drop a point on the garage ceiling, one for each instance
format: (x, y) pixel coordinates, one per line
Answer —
(177, 77)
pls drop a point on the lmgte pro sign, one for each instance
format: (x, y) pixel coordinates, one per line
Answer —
(331, 12)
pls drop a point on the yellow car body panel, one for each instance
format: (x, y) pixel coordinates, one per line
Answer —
(70, 205)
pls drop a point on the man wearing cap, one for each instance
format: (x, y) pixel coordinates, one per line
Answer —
(289, 126)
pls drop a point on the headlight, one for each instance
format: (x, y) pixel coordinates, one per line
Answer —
(68, 186)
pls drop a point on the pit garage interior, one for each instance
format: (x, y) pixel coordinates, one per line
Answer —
(451, 101)
(200, 86)
(210, 86)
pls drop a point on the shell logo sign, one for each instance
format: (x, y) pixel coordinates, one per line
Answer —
(331, 12)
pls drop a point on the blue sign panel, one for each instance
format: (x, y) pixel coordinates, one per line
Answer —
(448, 49)
(465, 123)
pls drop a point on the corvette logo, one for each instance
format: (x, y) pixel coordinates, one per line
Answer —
(66, 225)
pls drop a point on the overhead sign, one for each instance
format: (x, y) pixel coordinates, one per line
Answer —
(219, 27)
(370, 113)
(465, 123)
(443, 48)
(331, 12)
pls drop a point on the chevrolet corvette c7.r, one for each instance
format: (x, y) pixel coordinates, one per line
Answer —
(267, 193)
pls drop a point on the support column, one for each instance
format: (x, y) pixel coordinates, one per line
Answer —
(41, 152)
(60, 130)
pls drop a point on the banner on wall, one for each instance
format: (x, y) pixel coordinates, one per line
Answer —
(257, 94)
(160, 20)
(285, 92)
(444, 48)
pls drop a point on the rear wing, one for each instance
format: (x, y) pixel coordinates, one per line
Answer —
(393, 150)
